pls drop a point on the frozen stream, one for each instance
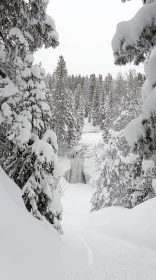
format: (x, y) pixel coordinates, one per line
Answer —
(91, 136)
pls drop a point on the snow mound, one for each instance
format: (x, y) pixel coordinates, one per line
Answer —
(137, 225)
(11, 189)
(28, 250)
(106, 216)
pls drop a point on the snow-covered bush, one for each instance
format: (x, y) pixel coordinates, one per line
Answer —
(114, 162)
(110, 186)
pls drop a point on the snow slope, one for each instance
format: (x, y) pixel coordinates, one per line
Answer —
(112, 244)
(27, 249)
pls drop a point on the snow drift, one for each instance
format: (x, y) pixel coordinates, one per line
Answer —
(28, 250)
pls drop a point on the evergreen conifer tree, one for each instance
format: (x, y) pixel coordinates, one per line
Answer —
(96, 103)
(79, 108)
(64, 121)
(142, 139)
(32, 158)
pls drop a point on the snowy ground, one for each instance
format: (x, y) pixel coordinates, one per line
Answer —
(111, 244)
(91, 134)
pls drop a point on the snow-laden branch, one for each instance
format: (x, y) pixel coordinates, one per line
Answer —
(135, 37)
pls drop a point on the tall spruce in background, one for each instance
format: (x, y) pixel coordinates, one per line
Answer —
(86, 92)
(79, 109)
(96, 103)
(106, 102)
(59, 97)
(64, 119)
(92, 84)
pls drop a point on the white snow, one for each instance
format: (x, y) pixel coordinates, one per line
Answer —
(134, 131)
(154, 185)
(6, 110)
(152, 68)
(28, 249)
(149, 87)
(9, 90)
(36, 72)
(130, 158)
(29, 58)
(113, 243)
(130, 31)
(11, 189)
(50, 22)
(55, 205)
(44, 151)
(2, 53)
(65, 164)
(74, 151)
(149, 105)
(146, 90)
(18, 34)
(21, 130)
(50, 135)
(91, 134)
(91, 137)
(114, 133)
(147, 164)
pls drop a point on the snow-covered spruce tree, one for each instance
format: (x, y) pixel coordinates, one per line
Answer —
(96, 103)
(50, 81)
(34, 164)
(86, 92)
(109, 185)
(32, 161)
(72, 133)
(140, 133)
(119, 93)
(90, 92)
(24, 27)
(72, 82)
(79, 109)
(64, 121)
(106, 104)
(114, 161)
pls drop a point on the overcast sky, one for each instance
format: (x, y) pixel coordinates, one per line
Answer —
(86, 28)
